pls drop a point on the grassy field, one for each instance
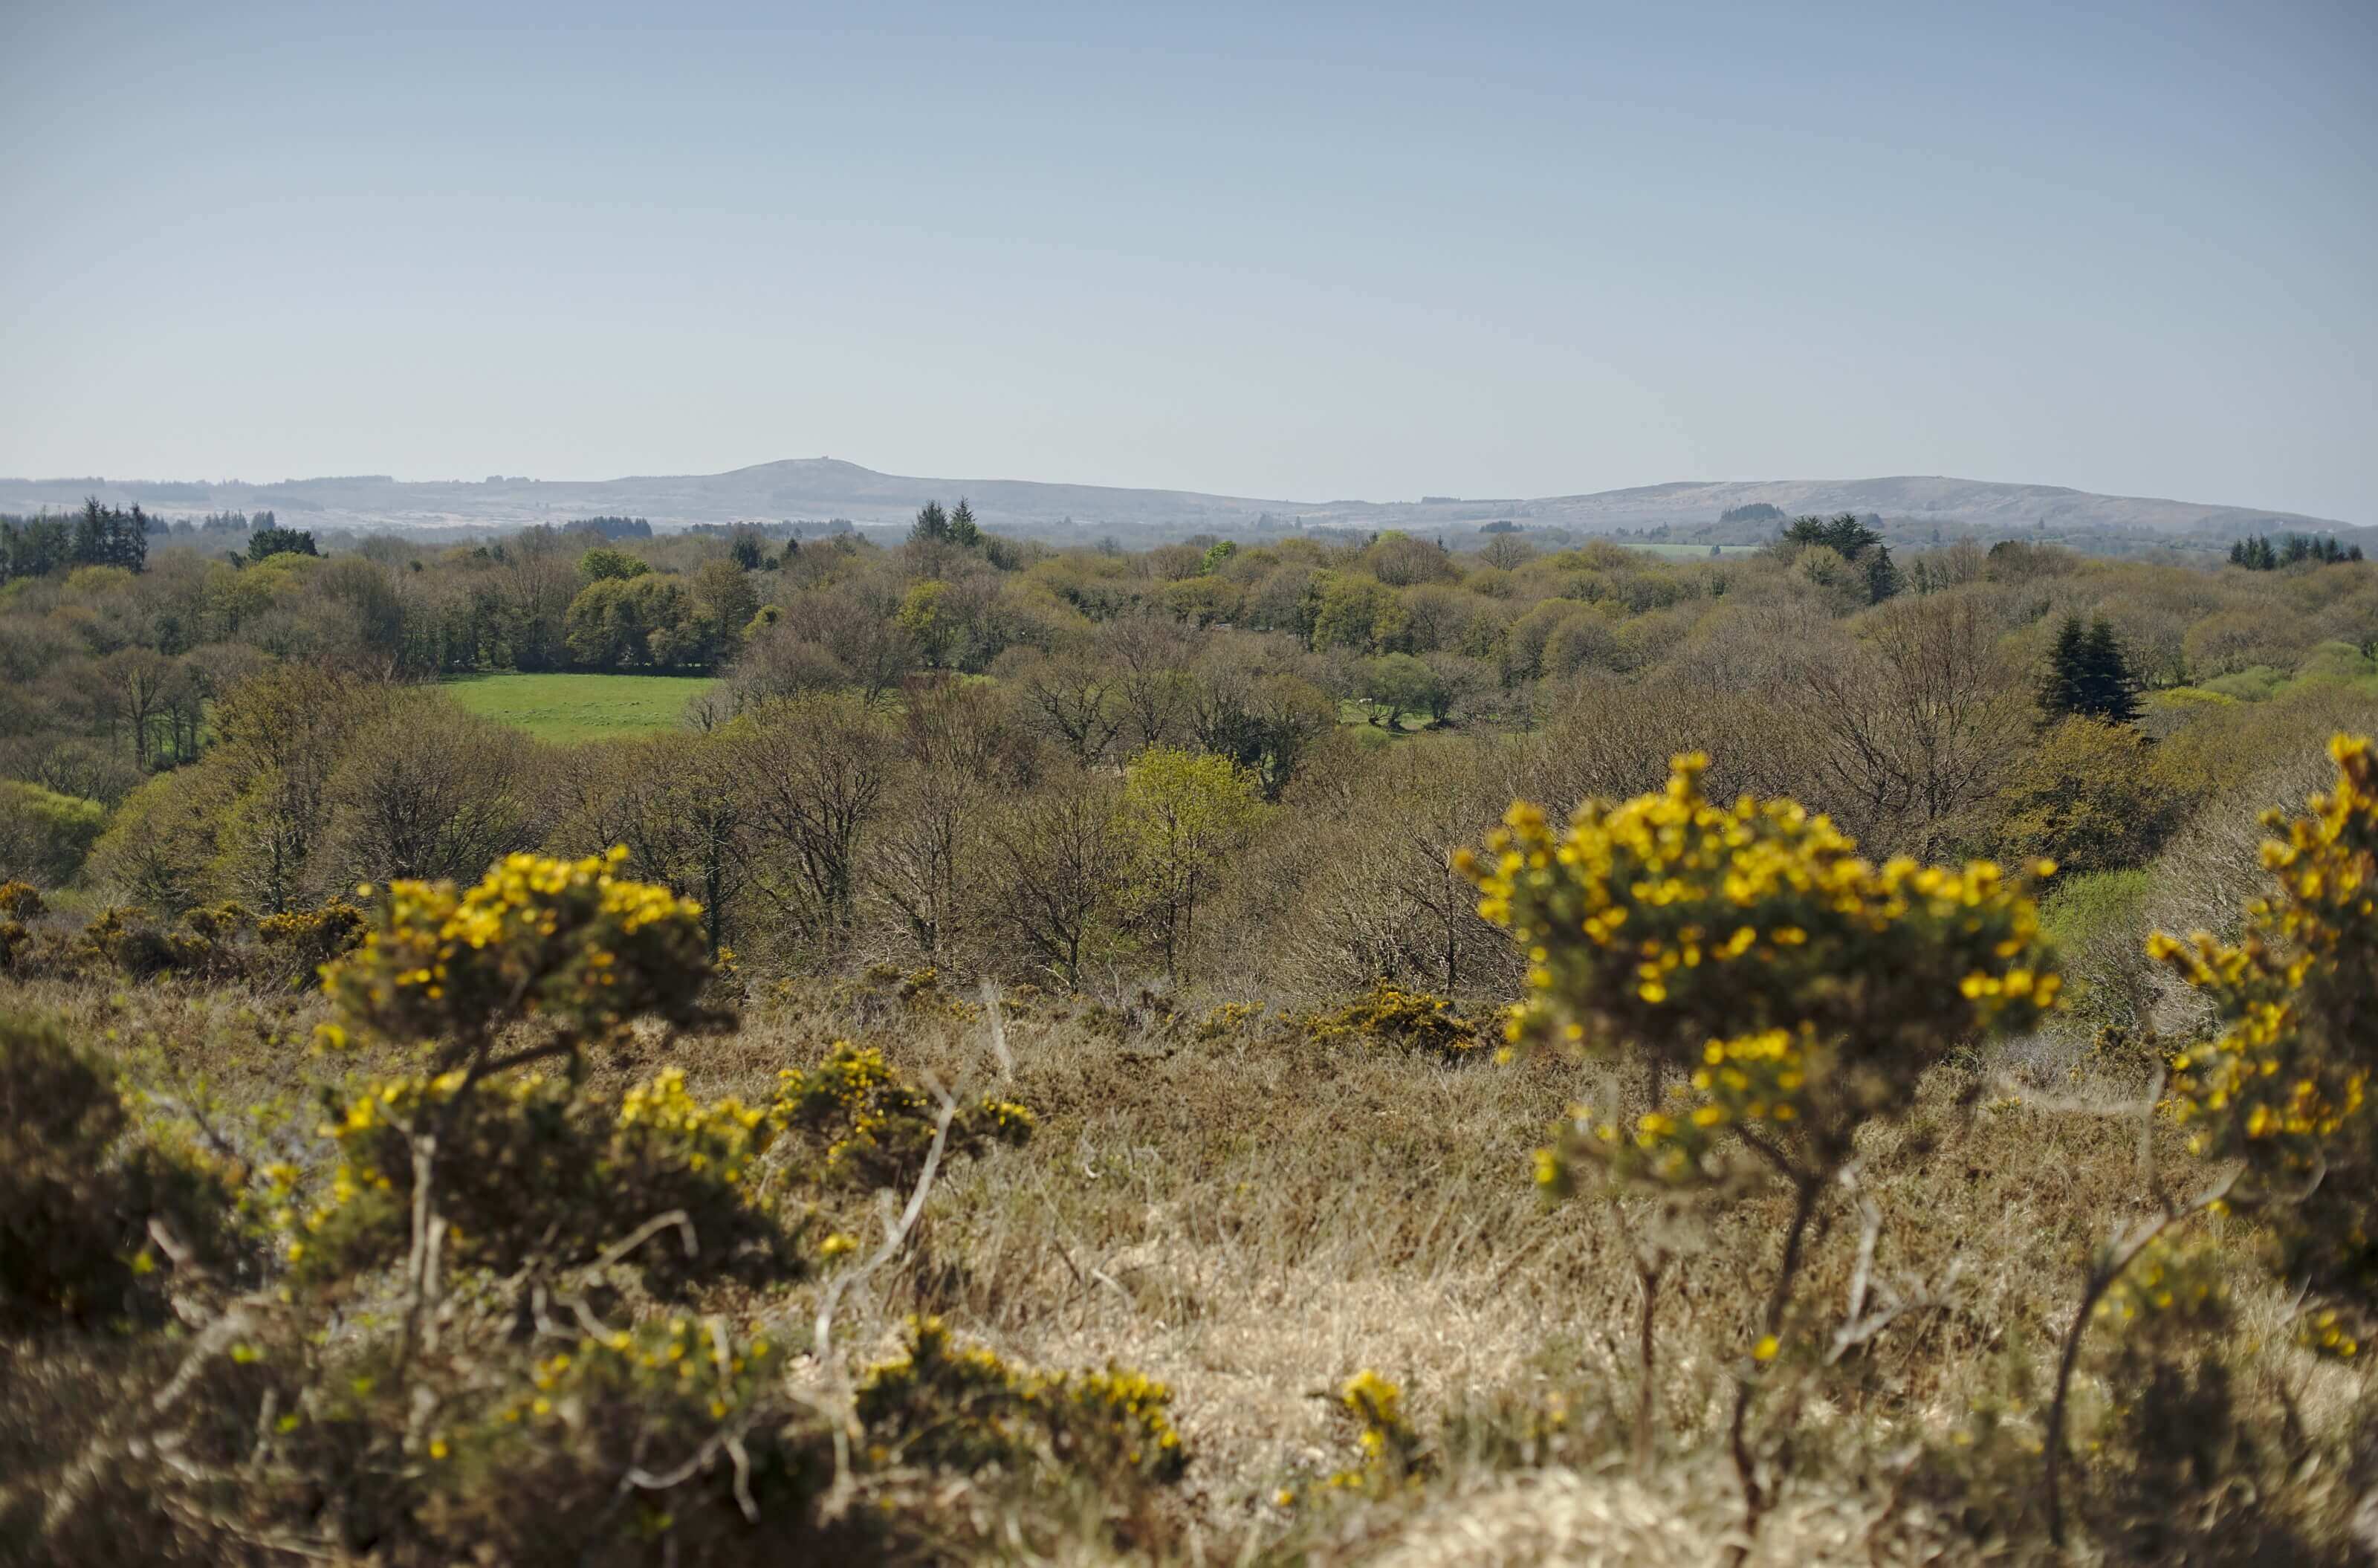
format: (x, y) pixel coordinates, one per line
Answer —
(580, 707)
(1689, 552)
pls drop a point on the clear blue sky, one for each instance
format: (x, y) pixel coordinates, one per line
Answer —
(1301, 251)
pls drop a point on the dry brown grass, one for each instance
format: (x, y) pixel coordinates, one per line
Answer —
(1254, 1218)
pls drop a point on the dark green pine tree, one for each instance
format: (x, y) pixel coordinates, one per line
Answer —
(2110, 685)
(963, 531)
(2063, 691)
(932, 525)
(90, 548)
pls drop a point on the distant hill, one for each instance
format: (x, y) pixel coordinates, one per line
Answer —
(816, 489)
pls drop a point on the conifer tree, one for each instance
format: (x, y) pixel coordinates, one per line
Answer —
(2062, 691)
(963, 531)
(2112, 688)
(2089, 677)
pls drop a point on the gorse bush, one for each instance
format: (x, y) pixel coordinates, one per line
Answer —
(565, 943)
(1392, 1450)
(856, 1121)
(1404, 1020)
(1799, 992)
(303, 940)
(962, 1408)
(81, 1189)
(537, 1167)
(512, 1215)
(2284, 1090)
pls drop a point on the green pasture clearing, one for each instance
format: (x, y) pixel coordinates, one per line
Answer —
(580, 707)
(1689, 552)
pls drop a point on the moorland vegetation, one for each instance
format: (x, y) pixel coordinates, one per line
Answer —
(1299, 1053)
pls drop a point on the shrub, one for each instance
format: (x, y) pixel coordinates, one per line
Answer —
(1799, 990)
(303, 941)
(45, 835)
(856, 1121)
(534, 1170)
(123, 936)
(564, 943)
(1391, 1450)
(79, 1187)
(1410, 1020)
(967, 1410)
(2285, 1088)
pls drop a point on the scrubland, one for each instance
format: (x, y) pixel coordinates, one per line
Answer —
(1063, 1065)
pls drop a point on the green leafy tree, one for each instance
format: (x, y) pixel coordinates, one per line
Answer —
(1395, 685)
(1358, 613)
(1184, 814)
(603, 564)
(930, 622)
(2088, 797)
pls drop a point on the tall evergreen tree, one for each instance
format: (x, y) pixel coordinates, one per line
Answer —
(2063, 690)
(2088, 675)
(963, 531)
(2112, 688)
(933, 524)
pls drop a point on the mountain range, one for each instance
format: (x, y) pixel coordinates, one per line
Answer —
(818, 489)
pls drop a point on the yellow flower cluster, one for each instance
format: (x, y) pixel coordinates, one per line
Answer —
(2169, 1286)
(722, 1138)
(2285, 1088)
(1390, 1448)
(2327, 1333)
(696, 1365)
(563, 939)
(1751, 950)
(944, 1403)
(873, 1125)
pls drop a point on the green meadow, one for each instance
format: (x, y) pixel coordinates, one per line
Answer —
(580, 707)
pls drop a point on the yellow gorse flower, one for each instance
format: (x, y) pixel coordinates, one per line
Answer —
(1788, 982)
(2284, 1088)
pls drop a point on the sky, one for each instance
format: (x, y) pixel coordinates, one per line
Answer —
(1301, 252)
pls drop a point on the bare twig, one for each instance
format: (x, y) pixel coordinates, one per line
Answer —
(2105, 1269)
(998, 1016)
(645, 1232)
(894, 1234)
(1756, 1499)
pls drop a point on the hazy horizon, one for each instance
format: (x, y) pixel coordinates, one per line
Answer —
(631, 475)
(1377, 253)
